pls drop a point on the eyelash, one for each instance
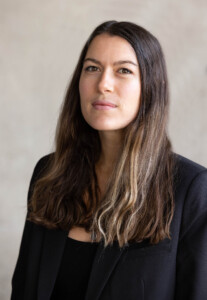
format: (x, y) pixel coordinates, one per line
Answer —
(128, 71)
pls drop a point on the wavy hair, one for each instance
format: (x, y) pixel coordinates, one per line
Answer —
(139, 200)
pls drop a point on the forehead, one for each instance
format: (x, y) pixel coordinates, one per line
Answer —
(114, 47)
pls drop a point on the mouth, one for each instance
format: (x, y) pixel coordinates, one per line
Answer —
(103, 105)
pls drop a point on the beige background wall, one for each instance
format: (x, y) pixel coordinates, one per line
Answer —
(40, 45)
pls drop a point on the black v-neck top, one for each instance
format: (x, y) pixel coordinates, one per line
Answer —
(74, 271)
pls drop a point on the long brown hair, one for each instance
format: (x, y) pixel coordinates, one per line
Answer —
(139, 201)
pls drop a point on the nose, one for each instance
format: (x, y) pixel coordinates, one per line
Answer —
(106, 82)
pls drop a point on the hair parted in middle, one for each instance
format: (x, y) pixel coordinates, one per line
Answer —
(139, 202)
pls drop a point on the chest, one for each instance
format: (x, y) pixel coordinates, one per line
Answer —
(79, 234)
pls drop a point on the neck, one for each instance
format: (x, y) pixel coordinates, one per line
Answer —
(111, 143)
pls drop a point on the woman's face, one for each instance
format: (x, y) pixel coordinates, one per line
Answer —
(109, 84)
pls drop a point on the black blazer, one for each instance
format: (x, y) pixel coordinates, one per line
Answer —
(172, 269)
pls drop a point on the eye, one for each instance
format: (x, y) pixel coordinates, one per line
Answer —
(125, 71)
(91, 68)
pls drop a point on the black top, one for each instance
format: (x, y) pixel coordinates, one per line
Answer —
(75, 267)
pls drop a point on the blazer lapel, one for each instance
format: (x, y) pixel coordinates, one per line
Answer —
(53, 247)
(103, 265)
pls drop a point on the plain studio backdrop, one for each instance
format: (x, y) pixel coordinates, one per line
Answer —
(40, 45)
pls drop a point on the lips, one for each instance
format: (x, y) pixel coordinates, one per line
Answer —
(100, 103)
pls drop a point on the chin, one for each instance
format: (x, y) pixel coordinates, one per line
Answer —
(105, 127)
(103, 124)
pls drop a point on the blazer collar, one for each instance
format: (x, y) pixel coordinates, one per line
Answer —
(104, 262)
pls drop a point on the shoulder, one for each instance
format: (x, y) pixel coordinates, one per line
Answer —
(191, 233)
(40, 166)
(189, 176)
(187, 168)
(188, 173)
(191, 193)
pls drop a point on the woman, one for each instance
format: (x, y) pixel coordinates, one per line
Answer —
(114, 213)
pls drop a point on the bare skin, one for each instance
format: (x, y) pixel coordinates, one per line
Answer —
(110, 144)
(80, 234)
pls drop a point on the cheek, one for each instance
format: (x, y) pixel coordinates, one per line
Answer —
(85, 88)
(132, 86)
(82, 87)
(131, 95)
(85, 96)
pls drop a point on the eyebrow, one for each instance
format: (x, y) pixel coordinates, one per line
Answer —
(119, 62)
